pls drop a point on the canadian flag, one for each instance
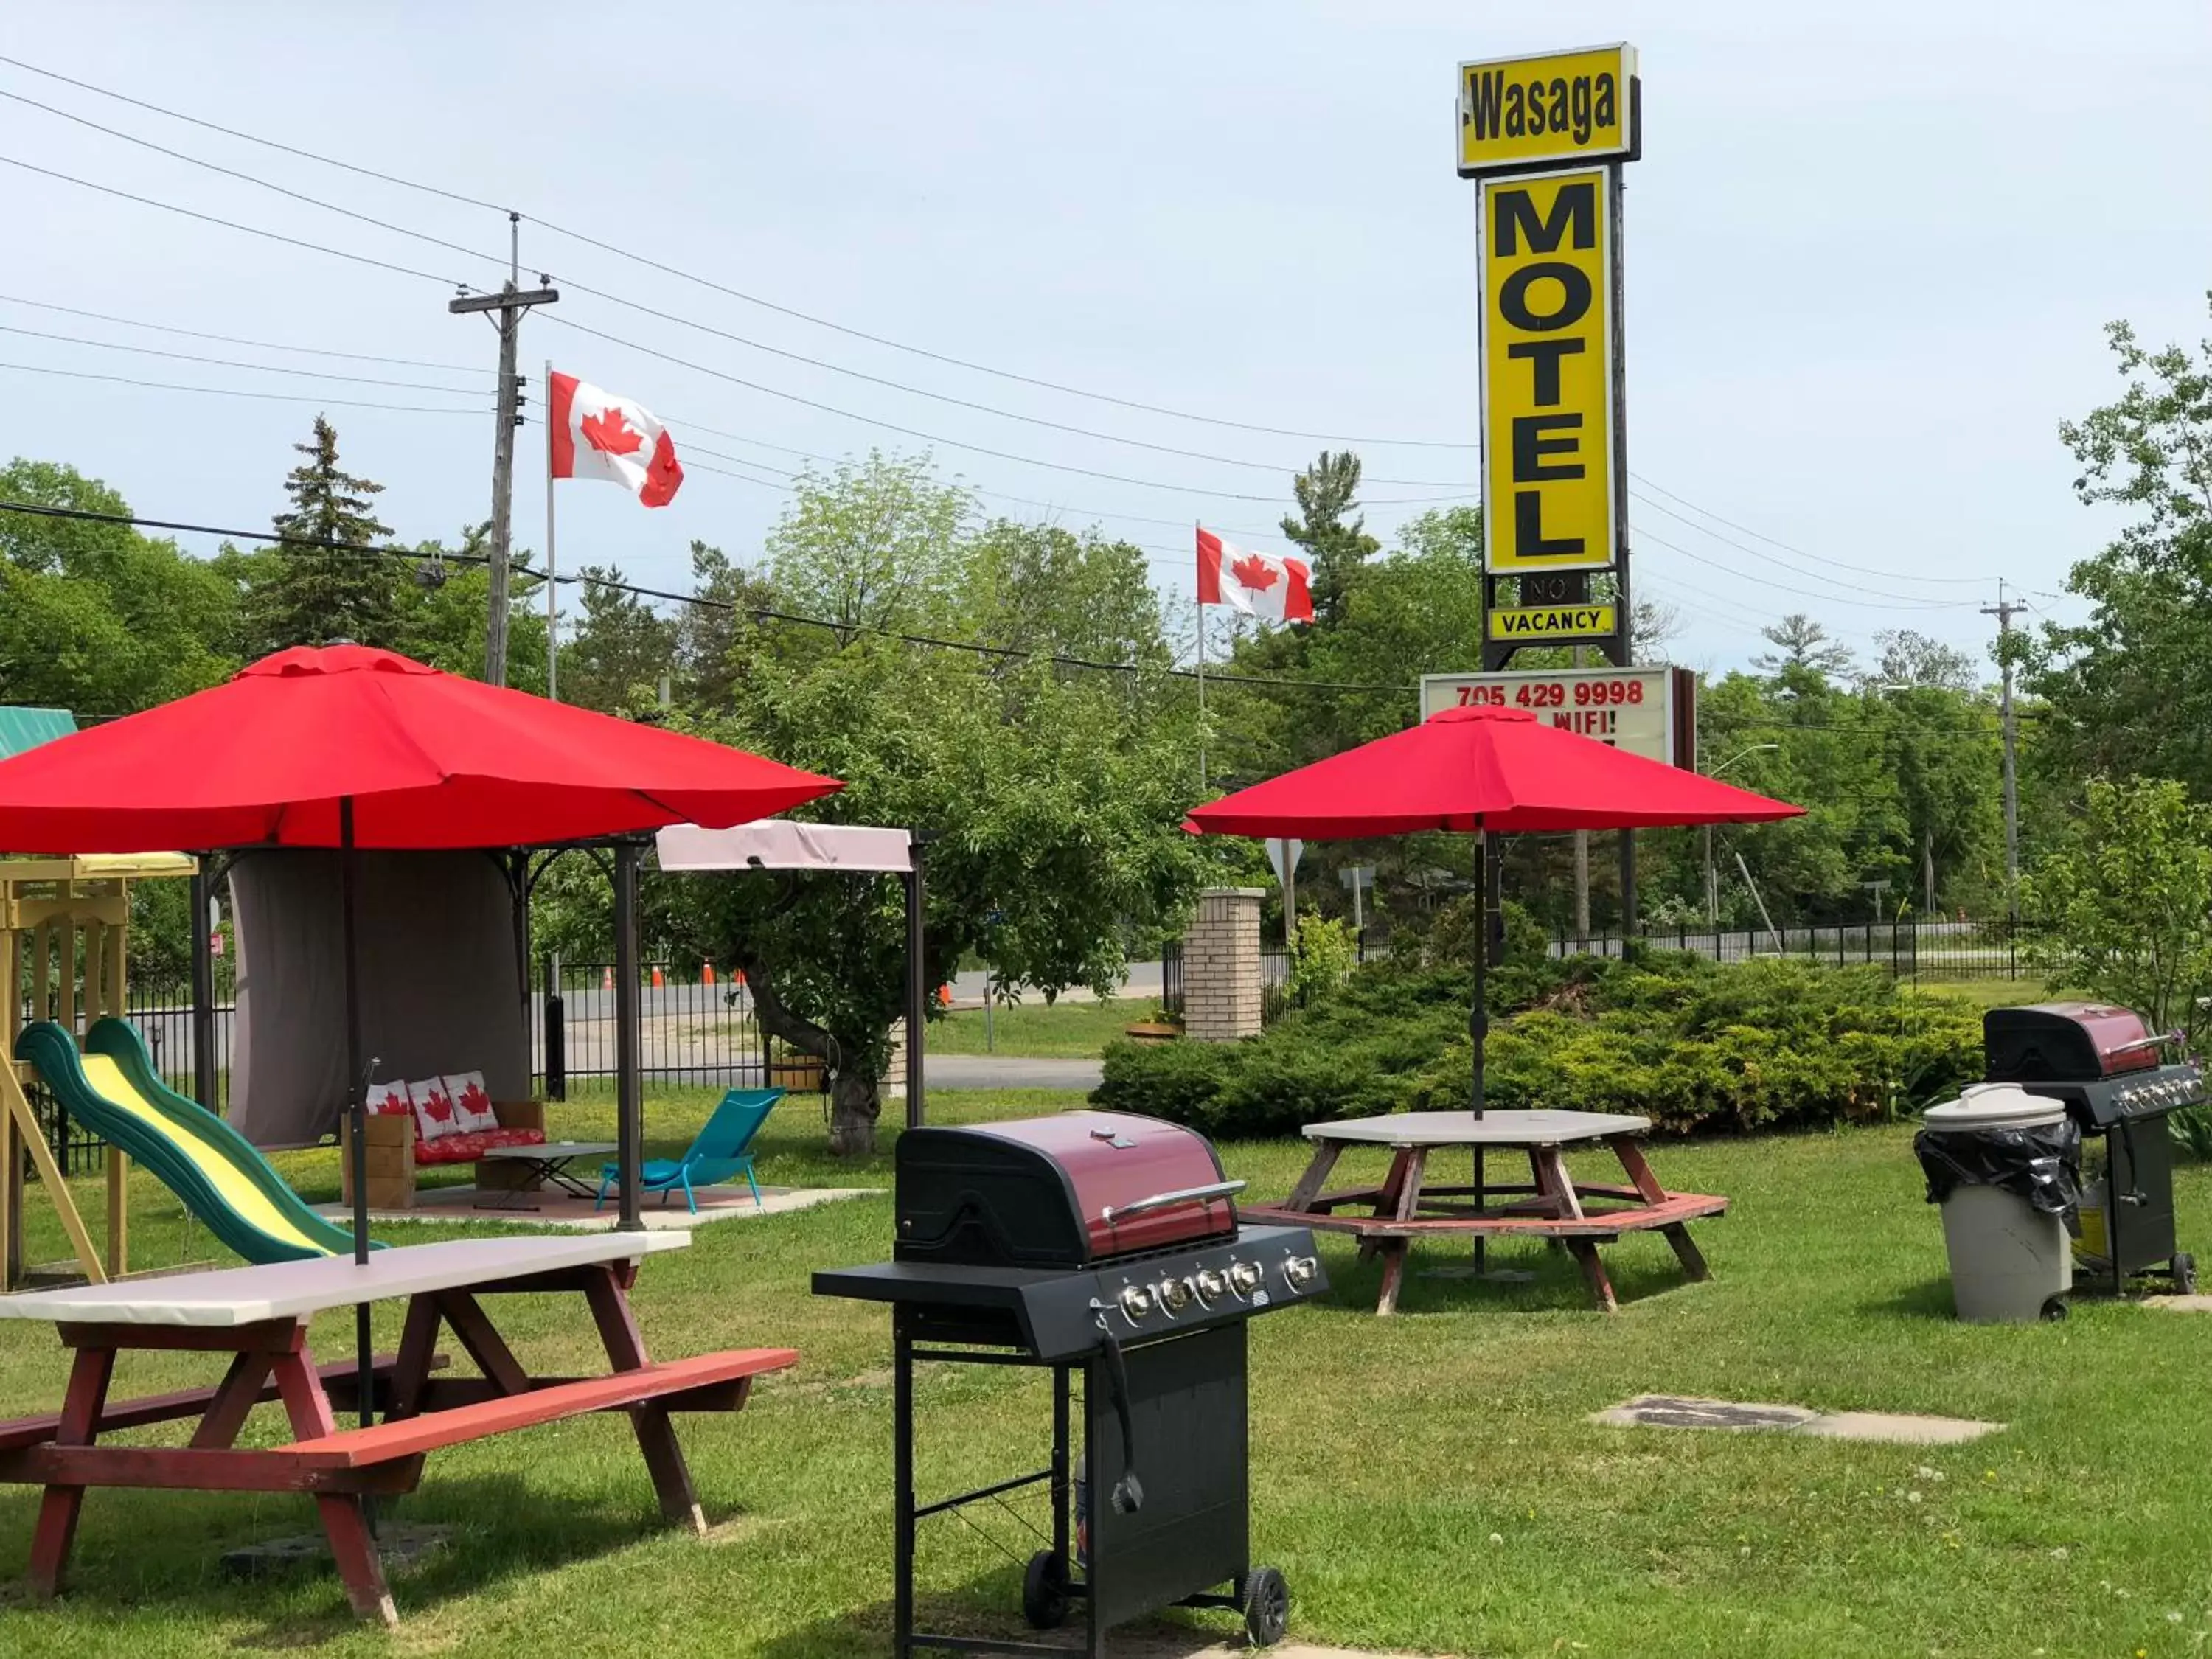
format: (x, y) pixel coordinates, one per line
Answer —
(597, 435)
(1258, 584)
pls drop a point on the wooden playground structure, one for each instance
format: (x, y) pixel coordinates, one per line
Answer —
(64, 939)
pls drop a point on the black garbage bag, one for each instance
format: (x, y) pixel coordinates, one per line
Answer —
(2042, 1165)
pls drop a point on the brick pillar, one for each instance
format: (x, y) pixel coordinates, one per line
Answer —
(1221, 986)
(894, 1080)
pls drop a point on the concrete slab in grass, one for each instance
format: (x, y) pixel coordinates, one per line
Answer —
(1662, 1411)
(2180, 1304)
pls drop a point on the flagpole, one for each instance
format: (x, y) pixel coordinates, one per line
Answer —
(1200, 608)
(552, 604)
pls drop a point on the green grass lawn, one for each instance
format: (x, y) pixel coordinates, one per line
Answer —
(1067, 1030)
(1428, 1483)
(1986, 992)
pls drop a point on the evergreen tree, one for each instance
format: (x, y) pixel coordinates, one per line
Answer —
(316, 591)
(1337, 541)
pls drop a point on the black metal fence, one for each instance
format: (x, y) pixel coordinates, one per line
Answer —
(1908, 948)
(691, 1030)
(1274, 980)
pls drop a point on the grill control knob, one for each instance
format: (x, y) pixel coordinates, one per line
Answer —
(1300, 1270)
(1136, 1302)
(1173, 1294)
(1244, 1277)
(1209, 1284)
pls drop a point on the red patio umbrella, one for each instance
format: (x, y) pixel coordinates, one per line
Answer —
(1482, 771)
(346, 747)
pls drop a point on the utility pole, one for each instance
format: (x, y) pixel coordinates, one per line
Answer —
(2004, 610)
(510, 302)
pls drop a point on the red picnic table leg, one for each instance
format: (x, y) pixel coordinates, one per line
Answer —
(1584, 1249)
(1405, 1173)
(59, 1506)
(607, 1292)
(345, 1522)
(1647, 1185)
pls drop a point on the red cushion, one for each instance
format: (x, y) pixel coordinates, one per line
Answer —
(461, 1149)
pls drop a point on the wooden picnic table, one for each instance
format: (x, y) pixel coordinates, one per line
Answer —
(1552, 1205)
(258, 1317)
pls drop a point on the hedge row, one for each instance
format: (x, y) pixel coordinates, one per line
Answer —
(1678, 1039)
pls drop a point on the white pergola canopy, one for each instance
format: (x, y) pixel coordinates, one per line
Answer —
(781, 844)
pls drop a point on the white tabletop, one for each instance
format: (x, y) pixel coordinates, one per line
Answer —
(292, 1289)
(1495, 1129)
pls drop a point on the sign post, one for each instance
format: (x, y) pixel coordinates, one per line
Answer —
(1547, 137)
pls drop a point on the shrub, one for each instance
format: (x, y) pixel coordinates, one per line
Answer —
(1675, 1038)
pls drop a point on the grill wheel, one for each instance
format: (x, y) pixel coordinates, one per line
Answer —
(1044, 1591)
(1267, 1607)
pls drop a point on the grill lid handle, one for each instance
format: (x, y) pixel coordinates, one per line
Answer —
(1112, 1215)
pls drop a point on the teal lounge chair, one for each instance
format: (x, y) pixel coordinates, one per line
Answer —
(723, 1149)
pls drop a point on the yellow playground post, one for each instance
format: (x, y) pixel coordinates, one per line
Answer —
(64, 930)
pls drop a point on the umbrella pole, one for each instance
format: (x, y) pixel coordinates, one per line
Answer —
(629, 1106)
(1478, 1019)
(356, 1111)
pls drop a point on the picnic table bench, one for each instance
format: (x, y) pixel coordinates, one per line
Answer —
(1578, 1216)
(258, 1316)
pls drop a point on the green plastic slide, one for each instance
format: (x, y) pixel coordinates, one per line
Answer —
(111, 1089)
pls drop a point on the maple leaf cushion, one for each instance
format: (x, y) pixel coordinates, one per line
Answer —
(433, 1110)
(390, 1100)
(471, 1102)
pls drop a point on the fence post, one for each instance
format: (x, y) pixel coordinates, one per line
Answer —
(556, 1034)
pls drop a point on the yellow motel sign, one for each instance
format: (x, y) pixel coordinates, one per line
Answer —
(1553, 625)
(1519, 114)
(1549, 456)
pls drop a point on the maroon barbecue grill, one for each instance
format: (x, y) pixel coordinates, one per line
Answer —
(2102, 1062)
(1106, 1244)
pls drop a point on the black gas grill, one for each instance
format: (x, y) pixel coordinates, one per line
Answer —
(2102, 1062)
(1107, 1245)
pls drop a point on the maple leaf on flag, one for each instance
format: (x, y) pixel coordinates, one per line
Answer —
(1255, 573)
(608, 431)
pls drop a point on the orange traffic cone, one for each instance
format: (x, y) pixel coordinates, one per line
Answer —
(945, 996)
(606, 978)
(656, 979)
(706, 972)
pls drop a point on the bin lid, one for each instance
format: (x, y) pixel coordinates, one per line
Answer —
(1995, 1106)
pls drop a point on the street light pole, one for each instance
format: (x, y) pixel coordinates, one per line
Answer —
(1713, 881)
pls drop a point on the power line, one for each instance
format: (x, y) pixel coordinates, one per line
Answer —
(232, 224)
(686, 322)
(640, 590)
(733, 292)
(233, 362)
(1864, 570)
(1643, 534)
(232, 391)
(250, 179)
(232, 339)
(932, 438)
(251, 138)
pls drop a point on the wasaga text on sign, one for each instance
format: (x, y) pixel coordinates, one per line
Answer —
(1548, 418)
(1521, 113)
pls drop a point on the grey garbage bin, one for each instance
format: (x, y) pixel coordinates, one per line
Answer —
(2005, 1165)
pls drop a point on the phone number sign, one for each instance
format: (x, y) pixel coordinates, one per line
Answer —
(1632, 708)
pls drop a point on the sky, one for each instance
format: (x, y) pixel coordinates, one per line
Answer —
(1870, 250)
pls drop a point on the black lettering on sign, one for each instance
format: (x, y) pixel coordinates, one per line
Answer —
(1574, 211)
(1574, 297)
(1579, 107)
(1607, 113)
(1546, 355)
(1558, 104)
(1528, 541)
(1516, 122)
(1531, 444)
(1484, 92)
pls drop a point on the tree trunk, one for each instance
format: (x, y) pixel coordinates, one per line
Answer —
(854, 1101)
(855, 1105)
